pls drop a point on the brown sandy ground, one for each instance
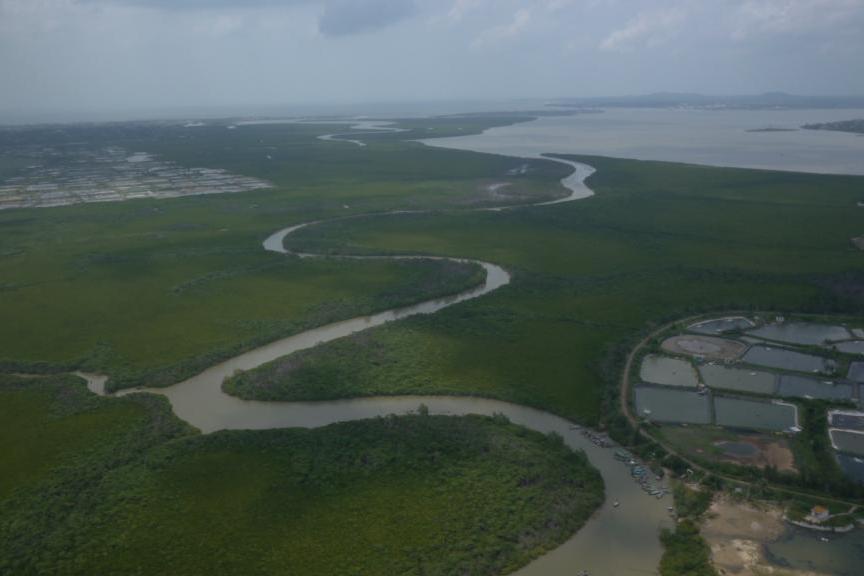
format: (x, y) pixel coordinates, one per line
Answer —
(706, 346)
(736, 531)
(772, 452)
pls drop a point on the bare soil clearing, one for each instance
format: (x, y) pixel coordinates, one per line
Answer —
(705, 346)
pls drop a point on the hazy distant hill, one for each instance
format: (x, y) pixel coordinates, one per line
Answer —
(687, 100)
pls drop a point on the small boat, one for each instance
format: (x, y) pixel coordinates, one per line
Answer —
(824, 539)
(616, 504)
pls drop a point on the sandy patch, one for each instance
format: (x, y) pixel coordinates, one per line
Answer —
(768, 452)
(706, 346)
(736, 532)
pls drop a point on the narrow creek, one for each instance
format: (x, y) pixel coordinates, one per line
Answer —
(617, 540)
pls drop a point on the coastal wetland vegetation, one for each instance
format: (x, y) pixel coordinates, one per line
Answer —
(150, 291)
(120, 486)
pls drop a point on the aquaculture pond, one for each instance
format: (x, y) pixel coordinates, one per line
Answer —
(849, 441)
(799, 549)
(739, 379)
(668, 371)
(787, 360)
(666, 405)
(754, 414)
(853, 466)
(851, 347)
(739, 449)
(794, 386)
(720, 325)
(848, 420)
(802, 333)
(856, 371)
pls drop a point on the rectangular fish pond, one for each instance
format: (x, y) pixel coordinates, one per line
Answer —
(754, 414)
(788, 360)
(849, 441)
(853, 466)
(846, 419)
(794, 386)
(851, 347)
(802, 333)
(739, 379)
(668, 405)
(668, 371)
(856, 371)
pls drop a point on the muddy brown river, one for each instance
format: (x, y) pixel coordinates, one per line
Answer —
(617, 541)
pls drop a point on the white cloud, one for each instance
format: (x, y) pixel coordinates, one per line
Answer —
(499, 34)
(462, 7)
(759, 17)
(647, 29)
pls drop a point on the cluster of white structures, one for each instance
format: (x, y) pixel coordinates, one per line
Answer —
(113, 174)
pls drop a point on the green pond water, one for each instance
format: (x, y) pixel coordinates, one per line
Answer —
(753, 414)
(668, 371)
(739, 379)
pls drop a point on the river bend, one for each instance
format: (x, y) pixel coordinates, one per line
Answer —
(617, 541)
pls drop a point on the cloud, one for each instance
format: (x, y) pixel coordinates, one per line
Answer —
(647, 29)
(345, 17)
(338, 18)
(499, 34)
(462, 7)
(760, 17)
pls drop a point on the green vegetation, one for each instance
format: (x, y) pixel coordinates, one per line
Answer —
(658, 241)
(154, 290)
(815, 456)
(407, 495)
(690, 503)
(58, 443)
(685, 552)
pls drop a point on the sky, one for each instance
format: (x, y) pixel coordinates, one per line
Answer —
(84, 56)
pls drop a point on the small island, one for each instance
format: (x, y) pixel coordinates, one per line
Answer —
(772, 129)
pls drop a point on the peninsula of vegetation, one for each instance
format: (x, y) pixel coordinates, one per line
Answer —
(855, 126)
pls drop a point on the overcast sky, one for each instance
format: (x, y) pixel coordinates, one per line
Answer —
(80, 55)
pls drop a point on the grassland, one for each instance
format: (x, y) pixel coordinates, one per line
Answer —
(117, 486)
(150, 291)
(658, 241)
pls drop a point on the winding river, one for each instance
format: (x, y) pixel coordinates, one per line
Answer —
(617, 541)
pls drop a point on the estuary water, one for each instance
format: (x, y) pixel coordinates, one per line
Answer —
(734, 138)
